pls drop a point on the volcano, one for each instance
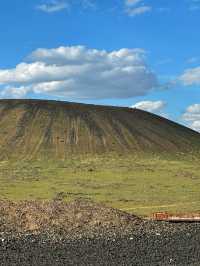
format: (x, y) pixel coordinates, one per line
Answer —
(54, 129)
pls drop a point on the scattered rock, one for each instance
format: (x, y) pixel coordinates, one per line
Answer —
(76, 216)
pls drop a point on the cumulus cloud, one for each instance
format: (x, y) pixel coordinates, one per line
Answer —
(150, 106)
(190, 77)
(192, 116)
(196, 125)
(136, 7)
(15, 93)
(77, 72)
(53, 6)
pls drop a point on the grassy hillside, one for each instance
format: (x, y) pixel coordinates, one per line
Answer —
(49, 129)
(126, 158)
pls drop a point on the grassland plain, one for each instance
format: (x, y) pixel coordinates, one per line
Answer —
(139, 184)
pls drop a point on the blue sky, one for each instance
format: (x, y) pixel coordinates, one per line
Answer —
(142, 53)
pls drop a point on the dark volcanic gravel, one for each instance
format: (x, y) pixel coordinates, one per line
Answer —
(87, 233)
(149, 243)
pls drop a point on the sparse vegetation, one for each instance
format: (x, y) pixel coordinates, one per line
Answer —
(50, 130)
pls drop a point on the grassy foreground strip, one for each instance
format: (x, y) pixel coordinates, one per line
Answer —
(137, 184)
(169, 207)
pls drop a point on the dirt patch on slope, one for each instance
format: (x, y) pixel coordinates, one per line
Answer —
(77, 216)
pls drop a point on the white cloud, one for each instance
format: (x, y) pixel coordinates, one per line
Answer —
(195, 109)
(136, 7)
(196, 125)
(190, 77)
(77, 72)
(53, 6)
(150, 106)
(192, 116)
(12, 92)
(138, 10)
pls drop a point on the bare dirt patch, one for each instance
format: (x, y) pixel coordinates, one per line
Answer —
(79, 215)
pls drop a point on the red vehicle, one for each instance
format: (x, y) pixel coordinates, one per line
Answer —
(165, 216)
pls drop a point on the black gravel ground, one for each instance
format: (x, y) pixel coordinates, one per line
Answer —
(150, 244)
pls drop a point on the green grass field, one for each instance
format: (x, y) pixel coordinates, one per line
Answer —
(139, 185)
